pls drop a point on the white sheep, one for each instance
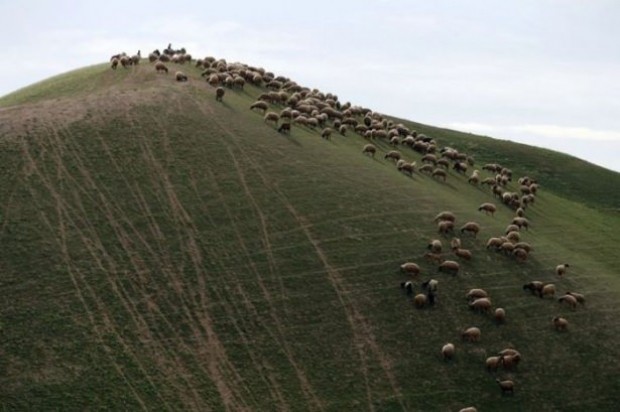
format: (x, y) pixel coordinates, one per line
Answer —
(487, 208)
(495, 242)
(520, 255)
(439, 174)
(447, 351)
(513, 237)
(326, 133)
(449, 266)
(482, 305)
(260, 105)
(560, 270)
(471, 227)
(471, 334)
(560, 323)
(433, 257)
(369, 149)
(445, 215)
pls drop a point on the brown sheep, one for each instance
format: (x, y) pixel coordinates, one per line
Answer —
(534, 286)
(180, 77)
(114, 63)
(509, 362)
(547, 290)
(488, 208)
(520, 254)
(521, 222)
(445, 215)
(449, 266)
(482, 305)
(560, 323)
(326, 133)
(477, 293)
(411, 268)
(445, 226)
(463, 253)
(495, 242)
(285, 128)
(419, 300)
(433, 257)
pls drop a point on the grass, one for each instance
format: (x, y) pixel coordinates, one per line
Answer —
(164, 251)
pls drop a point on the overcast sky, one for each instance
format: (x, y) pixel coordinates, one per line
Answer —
(542, 72)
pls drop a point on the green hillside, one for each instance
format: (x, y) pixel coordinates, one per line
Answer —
(164, 251)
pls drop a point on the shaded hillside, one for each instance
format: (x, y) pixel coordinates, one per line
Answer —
(165, 251)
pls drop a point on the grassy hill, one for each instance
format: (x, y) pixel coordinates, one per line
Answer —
(161, 250)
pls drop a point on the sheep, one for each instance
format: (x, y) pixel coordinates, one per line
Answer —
(272, 117)
(180, 77)
(499, 315)
(578, 296)
(471, 334)
(429, 158)
(135, 59)
(392, 155)
(285, 128)
(521, 222)
(469, 409)
(219, 94)
(260, 105)
(445, 226)
(520, 212)
(160, 67)
(509, 352)
(410, 268)
(520, 254)
(419, 300)
(495, 242)
(447, 351)
(513, 237)
(455, 243)
(487, 208)
(474, 179)
(547, 290)
(426, 169)
(408, 286)
(507, 247)
(449, 266)
(445, 215)
(114, 63)
(431, 285)
(433, 257)
(405, 167)
(509, 362)
(126, 61)
(560, 323)
(534, 286)
(463, 253)
(506, 386)
(439, 174)
(471, 227)
(435, 246)
(511, 228)
(369, 149)
(460, 167)
(570, 300)
(326, 133)
(560, 270)
(525, 246)
(482, 305)
(342, 130)
(474, 294)
(492, 363)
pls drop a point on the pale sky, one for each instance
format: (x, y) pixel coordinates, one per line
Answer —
(541, 72)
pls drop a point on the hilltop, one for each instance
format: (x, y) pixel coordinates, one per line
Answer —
(162, 250)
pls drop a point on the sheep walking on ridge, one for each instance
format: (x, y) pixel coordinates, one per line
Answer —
(219, 94)
(160, 67)
(114, 63)
(180, 76)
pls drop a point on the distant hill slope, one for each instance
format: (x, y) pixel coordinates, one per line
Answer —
(161, 250)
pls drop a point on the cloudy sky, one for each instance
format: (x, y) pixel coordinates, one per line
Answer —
(542, 72)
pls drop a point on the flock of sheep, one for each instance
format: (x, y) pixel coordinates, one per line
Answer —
(285, 104)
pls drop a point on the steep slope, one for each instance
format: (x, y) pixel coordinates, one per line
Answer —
(164, 250)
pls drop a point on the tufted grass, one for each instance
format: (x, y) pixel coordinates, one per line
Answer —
(164, 251)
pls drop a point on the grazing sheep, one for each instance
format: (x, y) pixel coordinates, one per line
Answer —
(392, 155)
(426, 169)
(342, 130)
(405, 167)
(180, 77)
(410, 268)
(326, 133)
(513, 237)
(477, 293)
(471, 334)
(580, 298)
(482, 305)
(408, 286)
(260, 105)
(445, 226)
(534, 286)
(521, 222)
(495, 242)
(449, 266)
(520, 212)
(520, 255)
(474, 179)
(462, 253)
(445, 215)
(429, 158)
(511, 228)
(369, 149)
(499, 315)
(506, 386)
(435, 246)
(420, 300)
(525, 246)
(507, 247)
(440, 174)
(447, 351)
(487, 208)
(547, 290)
(509, 352)
(455, 243)
(460, 167)
(431, 285)
(560, 323)
(285, 128)
(433, 257)
(492, 363)
(444, 163)
(160, 67)
(560, 270)
(219, 94)
(509, 362)
(570, 300)
(471, 227)
(272, 117)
